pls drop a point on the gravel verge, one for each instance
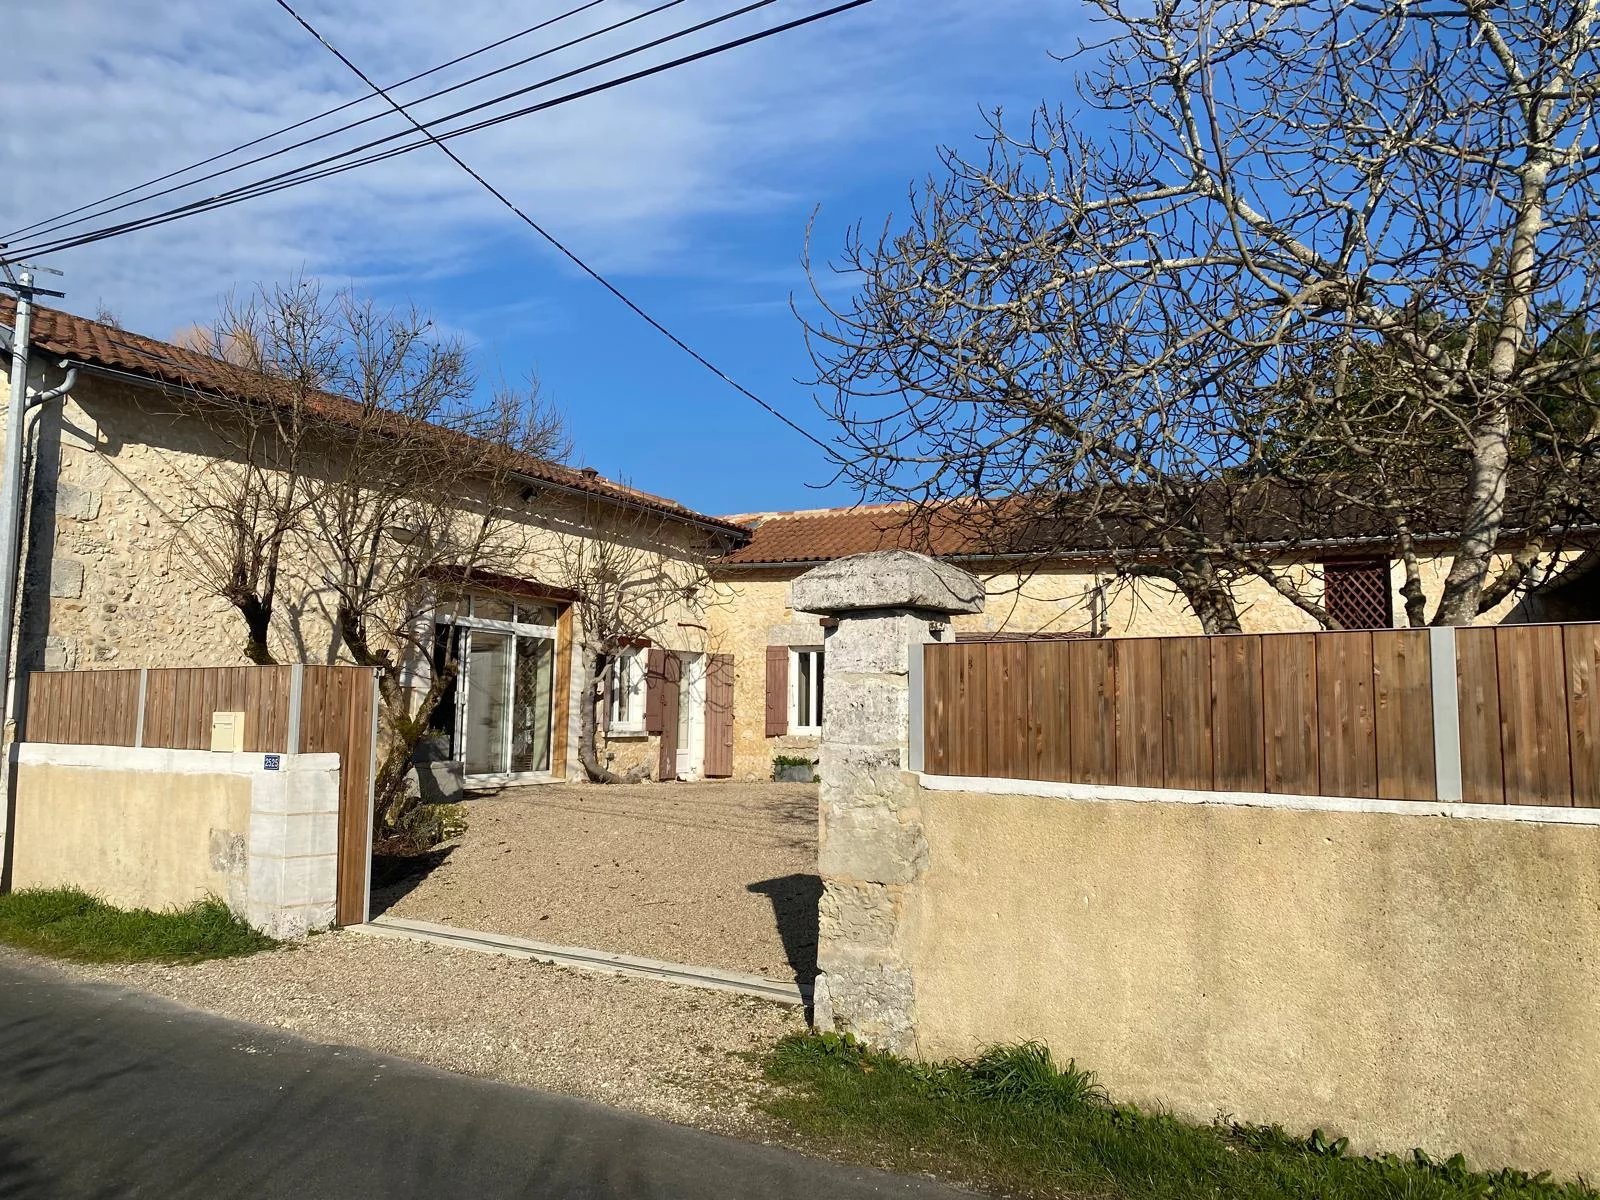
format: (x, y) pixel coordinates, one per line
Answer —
(716, 874)
(671, 1052)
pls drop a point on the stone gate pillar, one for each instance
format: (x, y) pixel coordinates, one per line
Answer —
(870, 848)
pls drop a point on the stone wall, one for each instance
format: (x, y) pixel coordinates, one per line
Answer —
(115, 554)
(749, 613)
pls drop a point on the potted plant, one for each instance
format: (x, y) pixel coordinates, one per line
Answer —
(788, 768)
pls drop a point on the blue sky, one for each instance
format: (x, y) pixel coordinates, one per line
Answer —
(692, 191)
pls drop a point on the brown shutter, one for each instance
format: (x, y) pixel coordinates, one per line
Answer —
(671, 673)
(655, 668)
(719, 716)
(777, 691)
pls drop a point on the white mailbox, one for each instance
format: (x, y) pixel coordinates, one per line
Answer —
(227, 732)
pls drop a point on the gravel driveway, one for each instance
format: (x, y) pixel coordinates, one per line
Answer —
(710, 874)
(672, 1052)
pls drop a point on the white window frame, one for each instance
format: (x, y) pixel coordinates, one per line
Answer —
(625, 692)
(795, 654)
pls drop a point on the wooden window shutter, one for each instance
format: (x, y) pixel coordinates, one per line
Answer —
(719, 716)
(667, 748)
(777, 691)
(654, 684)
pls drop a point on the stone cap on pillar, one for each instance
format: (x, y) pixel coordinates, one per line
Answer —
(887, 579)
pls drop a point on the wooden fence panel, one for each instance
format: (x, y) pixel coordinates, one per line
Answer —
(1005, 710)
(939, 715)
(99, 708)
(1289, 682)
(1478, 693)
(1582, 644)
(336, 715)
(1239, 741)
(1139, 713)
(1091, 711)
(1348, 749)
(1403, 711)
(1049, 726)
(1186, 712)
(969, 682)
(1533, 714)
(1341, 713)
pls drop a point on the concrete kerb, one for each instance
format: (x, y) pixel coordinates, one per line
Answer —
(870, 844)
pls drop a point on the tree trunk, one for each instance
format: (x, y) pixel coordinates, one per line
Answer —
(258, 621)
(1491, 435)
(589, 722)
(1209, 596)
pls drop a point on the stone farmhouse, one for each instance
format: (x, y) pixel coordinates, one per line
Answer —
(729, 678)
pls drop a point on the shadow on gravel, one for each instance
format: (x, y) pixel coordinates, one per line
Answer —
(794, 901)
(396, 874)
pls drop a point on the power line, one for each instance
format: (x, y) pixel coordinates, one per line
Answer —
(341, 161)
(54, 222)
(557, 243)
(269, 183)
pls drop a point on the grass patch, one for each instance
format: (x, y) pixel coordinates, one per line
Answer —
(1011, 1119)
(69, 923)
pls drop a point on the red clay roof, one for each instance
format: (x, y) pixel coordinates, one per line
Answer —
(824, 534)
(997, 529)
(66, 335)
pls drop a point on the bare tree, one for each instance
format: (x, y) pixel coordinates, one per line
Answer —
(360, 447)
(1303, 264)
(632, 571)
(247, 505)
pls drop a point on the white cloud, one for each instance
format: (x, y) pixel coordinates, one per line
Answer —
(634, 178)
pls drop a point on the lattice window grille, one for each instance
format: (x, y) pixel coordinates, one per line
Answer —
(1357, 595)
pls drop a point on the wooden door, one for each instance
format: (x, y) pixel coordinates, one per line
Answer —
(669, 691)
(719, 716)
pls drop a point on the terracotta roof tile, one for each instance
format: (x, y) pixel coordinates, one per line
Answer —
(821, 535)
(66, 335)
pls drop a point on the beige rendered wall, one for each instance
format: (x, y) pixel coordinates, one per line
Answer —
(1405, 980)
(134, 837)
(149, 828)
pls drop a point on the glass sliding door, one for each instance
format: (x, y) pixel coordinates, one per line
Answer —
(532, 704)
(488, 706)
(501, 710)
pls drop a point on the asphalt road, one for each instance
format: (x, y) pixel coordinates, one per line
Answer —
(108, 1092)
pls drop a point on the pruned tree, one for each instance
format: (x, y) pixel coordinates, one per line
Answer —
(247, 505)
(634, 573)
(1292, 265)
(361, 449)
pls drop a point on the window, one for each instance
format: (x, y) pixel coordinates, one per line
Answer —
(805, 690)
(1357, 594)
(625, 693)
